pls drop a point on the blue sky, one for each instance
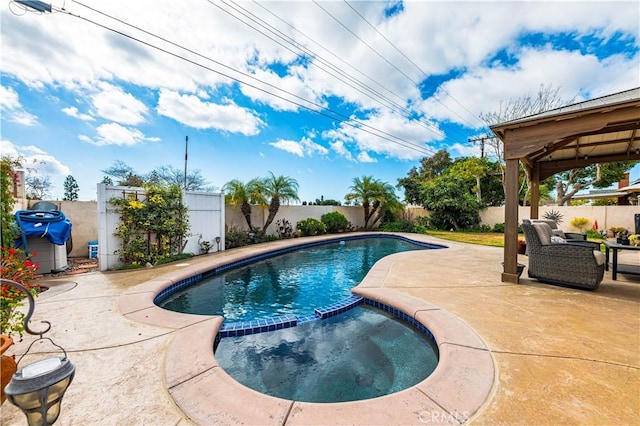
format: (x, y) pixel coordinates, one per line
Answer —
(384, 83)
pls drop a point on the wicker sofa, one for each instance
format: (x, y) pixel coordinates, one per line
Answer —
(569, 236)
(574, 264)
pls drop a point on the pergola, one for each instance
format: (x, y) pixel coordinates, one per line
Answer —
(600, 130)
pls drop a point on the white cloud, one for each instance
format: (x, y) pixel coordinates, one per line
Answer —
(11, 107)
(192, 111)
(35, 159)
(306, 147)
(115, 134)
(113, 104)
(340, 149)
(364, 157)
(410, 142)
(484, 89)
(73, 112)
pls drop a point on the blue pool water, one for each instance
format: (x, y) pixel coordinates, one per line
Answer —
(294, 283)
(360, 354)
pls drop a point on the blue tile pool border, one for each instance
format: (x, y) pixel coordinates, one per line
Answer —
(237, 329)
(182, 284)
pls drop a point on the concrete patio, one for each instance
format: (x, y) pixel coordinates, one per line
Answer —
(561, 356)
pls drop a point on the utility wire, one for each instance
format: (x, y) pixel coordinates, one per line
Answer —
(394, 106)
(422, 72)
(318, 110)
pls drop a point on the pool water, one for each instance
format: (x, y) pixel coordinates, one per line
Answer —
(360, 354)
(294, 283)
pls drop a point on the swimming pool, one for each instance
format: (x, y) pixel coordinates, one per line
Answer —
(292, 283)
(363, 353)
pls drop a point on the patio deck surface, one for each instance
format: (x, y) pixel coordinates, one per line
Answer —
(561, 355)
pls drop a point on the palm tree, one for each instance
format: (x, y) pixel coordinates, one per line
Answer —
(278, 189)
(238, 193)
(374, 195)
(386, 200)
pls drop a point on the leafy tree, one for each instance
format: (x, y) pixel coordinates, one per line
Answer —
(322, 202)
(38, 188)
(277, 189)
(238, 193)
(107, 180)
(70, 189)
(472, 168)
(451, 203)
(375, 196)
(569, 182)
(430, 168)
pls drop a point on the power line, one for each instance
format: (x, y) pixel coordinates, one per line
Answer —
(318, 110)
(415, 65)
(394, 106)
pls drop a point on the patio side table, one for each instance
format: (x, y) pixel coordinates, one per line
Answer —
(615, 267)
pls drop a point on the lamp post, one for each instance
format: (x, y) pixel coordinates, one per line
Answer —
(37, 389)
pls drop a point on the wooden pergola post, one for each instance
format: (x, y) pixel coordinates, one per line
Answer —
(535, 192)
(509, 273)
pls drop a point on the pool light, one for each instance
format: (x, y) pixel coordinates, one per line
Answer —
(37, 389)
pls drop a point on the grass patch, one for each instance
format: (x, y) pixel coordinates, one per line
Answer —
(492, 239)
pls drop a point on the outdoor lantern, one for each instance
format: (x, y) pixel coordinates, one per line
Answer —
(37, 389)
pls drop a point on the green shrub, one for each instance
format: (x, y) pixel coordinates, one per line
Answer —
(398, 226)
(419, 229)
(335, 222)
(499, 228)
(424, 221)
(594, 234)
(310, 226)
(235, 237)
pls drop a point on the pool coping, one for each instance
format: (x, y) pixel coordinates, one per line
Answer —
(453, 394)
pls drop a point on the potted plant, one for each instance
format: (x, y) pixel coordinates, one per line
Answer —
(621, 234)
(522, 246)
(634, 239)
(18, 267)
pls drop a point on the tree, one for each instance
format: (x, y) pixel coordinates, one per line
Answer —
(569, 182)
(430, 168)
(278, 189)
(374, 196)
(547, 98)
(451, 203)
(37, 188)
(322, 202)
(123, 174)
(238, 193)
(472, 168)
(70, 189)
(169, 175)
(107, 180)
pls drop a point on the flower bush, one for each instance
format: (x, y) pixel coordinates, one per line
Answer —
(153, 225)
(18, 267)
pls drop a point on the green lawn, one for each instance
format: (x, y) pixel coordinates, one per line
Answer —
(483, 238)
